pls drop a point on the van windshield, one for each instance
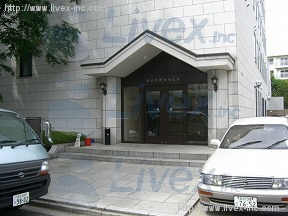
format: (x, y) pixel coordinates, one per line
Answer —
(14, 130)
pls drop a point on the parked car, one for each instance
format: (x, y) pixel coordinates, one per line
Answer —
(24, 162)
(248, 170)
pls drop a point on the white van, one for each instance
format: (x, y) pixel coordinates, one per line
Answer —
(24, 162)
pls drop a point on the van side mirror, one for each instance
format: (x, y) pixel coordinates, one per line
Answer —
(215, 142)
(48, 131)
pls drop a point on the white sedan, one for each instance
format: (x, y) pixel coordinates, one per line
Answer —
(249, 169)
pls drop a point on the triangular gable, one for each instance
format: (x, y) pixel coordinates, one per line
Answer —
(145, 47)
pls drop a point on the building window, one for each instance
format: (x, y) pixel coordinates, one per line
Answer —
(259, 57)
(283, 61)
(259, 105)
(26, 65)
(254, 4)
(255, 48)
(264, 107)
(284, 73)
(270, 61)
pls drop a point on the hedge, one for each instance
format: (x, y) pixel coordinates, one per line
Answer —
(60, 137)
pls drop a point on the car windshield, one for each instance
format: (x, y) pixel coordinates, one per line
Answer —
(14, 130)
(268, 136)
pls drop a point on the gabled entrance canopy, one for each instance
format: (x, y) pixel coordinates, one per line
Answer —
(148, 45)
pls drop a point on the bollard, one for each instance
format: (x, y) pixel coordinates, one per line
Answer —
(107, 136)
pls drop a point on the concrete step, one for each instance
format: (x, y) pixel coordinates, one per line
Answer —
(133, 159)
(139, 154)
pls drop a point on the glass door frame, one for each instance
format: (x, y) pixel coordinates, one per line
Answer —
(164, 113)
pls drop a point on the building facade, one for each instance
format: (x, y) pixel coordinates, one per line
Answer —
(172, 71)
(278, 66)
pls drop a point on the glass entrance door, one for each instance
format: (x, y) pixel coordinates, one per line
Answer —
(165, 115)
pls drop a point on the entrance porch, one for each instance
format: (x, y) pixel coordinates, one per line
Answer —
(195, 73)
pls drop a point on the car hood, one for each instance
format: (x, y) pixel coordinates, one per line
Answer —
(22, 154)
(248, 162)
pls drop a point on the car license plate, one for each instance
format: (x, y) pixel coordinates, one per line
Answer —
(20, 199)
(245, 202)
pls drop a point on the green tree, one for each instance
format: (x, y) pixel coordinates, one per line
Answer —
(280, 89)
(26, 32)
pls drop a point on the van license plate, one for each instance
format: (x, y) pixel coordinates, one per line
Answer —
(245, 202)
(20, 199)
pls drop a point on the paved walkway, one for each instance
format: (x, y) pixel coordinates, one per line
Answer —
(135, 189)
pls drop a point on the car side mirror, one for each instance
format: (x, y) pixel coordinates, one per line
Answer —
(48, 131)
(215, 142)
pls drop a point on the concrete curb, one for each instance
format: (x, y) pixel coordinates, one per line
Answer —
(133, 160)
(59, 148)
(97, 210)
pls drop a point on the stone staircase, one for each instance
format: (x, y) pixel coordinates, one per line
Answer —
(137, 156)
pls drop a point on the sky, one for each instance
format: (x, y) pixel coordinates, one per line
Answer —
(276, 27)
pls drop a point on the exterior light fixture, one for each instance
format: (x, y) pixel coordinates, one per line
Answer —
(257, 85)
(247, 3)
(214, 80)
(103, 87)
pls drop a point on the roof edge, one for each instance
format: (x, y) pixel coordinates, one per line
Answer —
(161, 38)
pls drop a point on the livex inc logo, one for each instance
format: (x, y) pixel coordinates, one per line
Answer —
(173, 25)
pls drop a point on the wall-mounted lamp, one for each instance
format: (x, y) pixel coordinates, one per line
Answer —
(258, 83)
(103, 87)
(247, 3)
(214, 80)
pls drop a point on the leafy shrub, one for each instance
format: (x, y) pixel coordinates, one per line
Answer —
(61, 137)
